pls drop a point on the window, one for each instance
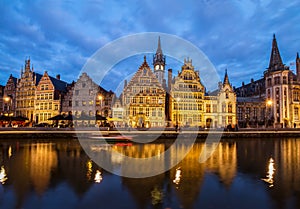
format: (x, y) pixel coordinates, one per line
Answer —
(277, 80)
(229, 119)
(214, 108)
(269, 82)
(284, 80)
(240, 113)
(76, 92)
(76, 103)
(160, 112)
(153, 112)
(223, 107)
(208, 108)
(56, 107)
(227, 96)
(83, 103)
(147, 111)
(230, 108)
(70, 103)
(296, 113)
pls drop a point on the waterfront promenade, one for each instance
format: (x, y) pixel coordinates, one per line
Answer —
(158, 133)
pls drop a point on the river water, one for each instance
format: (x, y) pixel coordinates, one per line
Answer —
(243, 173)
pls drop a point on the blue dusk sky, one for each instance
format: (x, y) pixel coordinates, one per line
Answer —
(60, 35)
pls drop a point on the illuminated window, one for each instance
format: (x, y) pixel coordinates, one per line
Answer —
(208, 108)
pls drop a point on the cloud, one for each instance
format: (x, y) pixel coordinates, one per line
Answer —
(61, 35)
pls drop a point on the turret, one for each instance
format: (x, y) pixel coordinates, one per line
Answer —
(159, 62)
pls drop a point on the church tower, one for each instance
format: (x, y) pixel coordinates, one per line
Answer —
(159, 62)
(277, 89)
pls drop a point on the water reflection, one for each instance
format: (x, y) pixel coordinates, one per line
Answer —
(64, 176)
(3, 177)
(270, 173)
(177, 176)
(98, 177)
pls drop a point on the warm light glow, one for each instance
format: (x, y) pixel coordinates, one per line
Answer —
(270, 173)
(89, 167)
(177, 176)
(100, 97)
(269, 102)
(3, 177)
(156, 195)
(6, 99)
(9, 152)
(98, 177)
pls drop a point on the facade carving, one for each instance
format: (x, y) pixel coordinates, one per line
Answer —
(144, 99)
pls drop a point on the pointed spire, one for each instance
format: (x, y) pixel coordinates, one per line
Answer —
(226, 79)
(145, 60)
(297, 57)
(275, 58)
(159, 51)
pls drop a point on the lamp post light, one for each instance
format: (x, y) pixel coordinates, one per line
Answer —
(8, 104)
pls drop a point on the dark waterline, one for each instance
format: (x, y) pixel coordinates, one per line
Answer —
(243, 173)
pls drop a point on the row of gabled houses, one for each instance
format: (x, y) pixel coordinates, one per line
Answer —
(39, 97)
(150, 100)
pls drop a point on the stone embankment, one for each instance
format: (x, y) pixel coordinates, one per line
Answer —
(56, 133)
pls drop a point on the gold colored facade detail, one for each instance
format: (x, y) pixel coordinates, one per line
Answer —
(191, 107)
(47, 101)
(144, 99)
(187, 97)
(25, 93)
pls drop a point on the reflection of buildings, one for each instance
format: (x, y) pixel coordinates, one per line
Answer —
(224, 162)
(43, 160)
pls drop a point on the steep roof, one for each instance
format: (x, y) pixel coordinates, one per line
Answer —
(38, 78)
(58, 84)
(275, 58)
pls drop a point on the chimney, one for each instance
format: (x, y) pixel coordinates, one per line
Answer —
(58, 76)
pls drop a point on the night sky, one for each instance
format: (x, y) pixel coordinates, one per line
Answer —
(59, 36)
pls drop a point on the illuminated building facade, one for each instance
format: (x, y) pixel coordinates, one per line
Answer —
(25, 94)
(191, 106)
(85, 98)
(277, 95)
(48, 97)
(9, 96)
(144, 99)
